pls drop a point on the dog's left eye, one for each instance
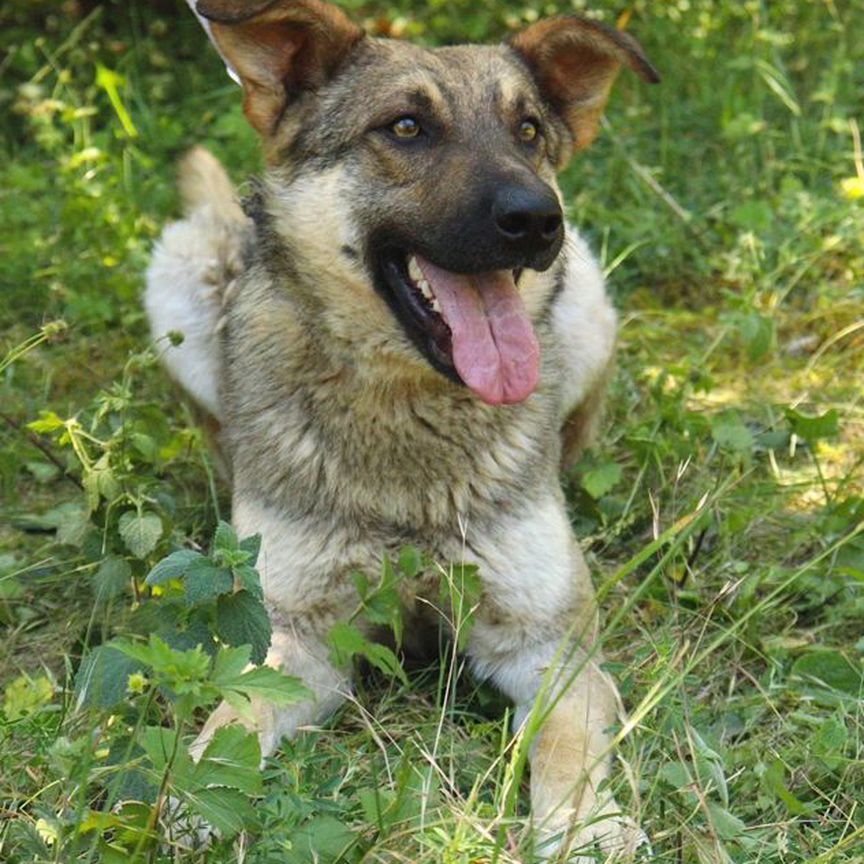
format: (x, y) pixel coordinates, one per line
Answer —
(528, 131)
(406, 127)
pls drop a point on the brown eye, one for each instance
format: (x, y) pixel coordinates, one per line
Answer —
(405, 127)
(528, 131)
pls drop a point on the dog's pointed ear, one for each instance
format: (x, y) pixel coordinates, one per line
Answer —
(279, 49)
(575, 62)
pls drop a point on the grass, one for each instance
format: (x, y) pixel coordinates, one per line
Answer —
(721, 512)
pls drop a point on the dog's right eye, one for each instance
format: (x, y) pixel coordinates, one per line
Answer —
(406, 127)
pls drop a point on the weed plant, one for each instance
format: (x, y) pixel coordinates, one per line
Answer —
(722, 510)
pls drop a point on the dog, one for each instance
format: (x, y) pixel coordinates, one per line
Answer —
(399, 340)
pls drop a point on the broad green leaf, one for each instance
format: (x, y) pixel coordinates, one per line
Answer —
(103, 676)
(136, 824)
(191, 664)
(72, 523)
(832, 669)
(709, 766)
(676, 775)
(233, 759)
(247, 577)
(411, 561)
(114, 853)
(251, 545)
(323, 840)
(111, 579)
(173, 566)
(183, 635)
(361, 583)
(109, 487)
(383, 606)
(185, 673)
(227, 810)
(47, 423)
(98, 820)
(140, 532)
(757, 333)
(728, 827)
(230, 663)
(24, 695)
(262, 682)
(829, 742)
(204, 581)
(241, 619)
(134, 784)
(348, 641)
(228, 552)
(774, 781)
(850, 559)
(270, 684)
(601, 479)
(146, 446)
(377, 804)
(755, 215)
(225, 538)
(731, 434)
(773, 439)
(43, 472)
(161, 746)
(812, 429)
(155, 652)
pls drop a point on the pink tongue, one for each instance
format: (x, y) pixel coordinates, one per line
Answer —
(495, 350)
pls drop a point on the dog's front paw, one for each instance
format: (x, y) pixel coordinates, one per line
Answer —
(609, 836)
(184, 830)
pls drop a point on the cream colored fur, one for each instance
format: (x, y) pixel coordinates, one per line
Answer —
(194, 261)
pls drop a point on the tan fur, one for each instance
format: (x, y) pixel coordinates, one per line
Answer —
(576, 62)
(203, 182)
(344, 442)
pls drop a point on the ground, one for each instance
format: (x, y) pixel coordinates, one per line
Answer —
(721, 511)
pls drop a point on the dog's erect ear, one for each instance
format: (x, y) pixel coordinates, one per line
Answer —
(278, 48)
(575, 62)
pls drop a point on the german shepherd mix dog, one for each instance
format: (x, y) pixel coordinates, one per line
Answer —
(401, 340)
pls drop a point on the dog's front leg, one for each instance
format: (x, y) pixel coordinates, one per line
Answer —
(304, 600)
(295, 650)
(565, 705)
(535, 638)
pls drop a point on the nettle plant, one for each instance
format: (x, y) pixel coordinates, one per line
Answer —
(216, 601)
(151, 693)
(181, 629)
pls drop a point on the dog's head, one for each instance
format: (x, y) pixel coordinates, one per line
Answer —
(422, 178)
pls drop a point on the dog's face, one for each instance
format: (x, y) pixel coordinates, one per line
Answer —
(422, 181)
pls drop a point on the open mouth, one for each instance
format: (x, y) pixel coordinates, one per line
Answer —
(472, 327)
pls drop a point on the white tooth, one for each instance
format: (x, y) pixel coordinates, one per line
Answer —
(426, 289)
(436, 306)
(414, 270)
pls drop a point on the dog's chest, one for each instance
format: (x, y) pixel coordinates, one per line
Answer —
(393, 451)
(392, 463)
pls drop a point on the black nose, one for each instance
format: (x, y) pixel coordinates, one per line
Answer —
(527, 219)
